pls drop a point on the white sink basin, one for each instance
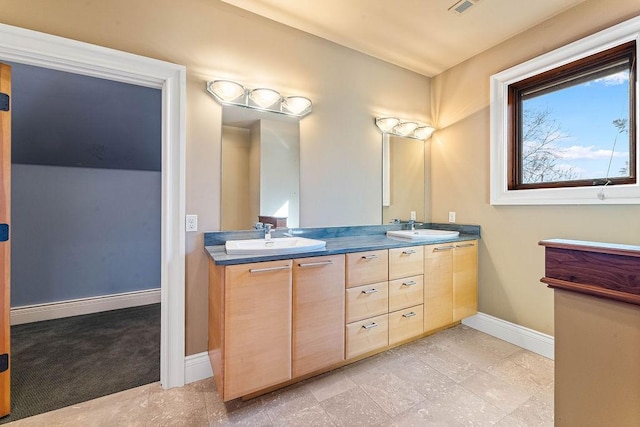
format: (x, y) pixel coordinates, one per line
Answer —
(424, 234)
(275, 246)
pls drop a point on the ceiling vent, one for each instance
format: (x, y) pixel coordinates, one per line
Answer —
(462, 6)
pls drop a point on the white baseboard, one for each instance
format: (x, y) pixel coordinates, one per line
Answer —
(197, 367)
(56, 310)
(526, 338)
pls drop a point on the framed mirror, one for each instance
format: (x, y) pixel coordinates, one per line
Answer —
(404, 178)
(260, 169)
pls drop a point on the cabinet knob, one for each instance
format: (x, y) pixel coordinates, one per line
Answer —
(370, 291)
(409, 252)
(443, 248)
(372, 325)
(409, 283)
(410, 314)
(372, 256)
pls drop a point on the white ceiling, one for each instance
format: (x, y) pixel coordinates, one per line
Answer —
(420, 35)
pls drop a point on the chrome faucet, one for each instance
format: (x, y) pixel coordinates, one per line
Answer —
(267, 231)
(412, 224)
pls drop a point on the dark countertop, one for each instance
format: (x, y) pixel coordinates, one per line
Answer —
(335, 245)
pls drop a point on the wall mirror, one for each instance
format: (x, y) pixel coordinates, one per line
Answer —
(404, 171)
(260, 168)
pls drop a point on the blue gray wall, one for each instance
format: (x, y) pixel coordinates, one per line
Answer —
(91, 230)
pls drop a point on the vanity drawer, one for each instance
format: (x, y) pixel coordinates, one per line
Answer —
(367, 335)
(367, 301)
(367, 267)
(405, 324)
(406, 292)
(405, 262)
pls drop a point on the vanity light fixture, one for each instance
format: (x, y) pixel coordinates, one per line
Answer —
(228, 92)
(407, 129)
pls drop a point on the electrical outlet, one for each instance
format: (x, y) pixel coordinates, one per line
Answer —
(413, 215)
(192, 223)
(452, 217)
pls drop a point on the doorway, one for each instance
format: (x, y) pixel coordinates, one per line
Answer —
(33, 48)
(86, 190)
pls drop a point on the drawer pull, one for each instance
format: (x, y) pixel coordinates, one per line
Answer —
(409, 252)
(466, 245)
(372, 325)
(372, 256)
(410, 314)
(315, 264)
(370, 291)
(409, 283)
(443, 248)
(263, 270)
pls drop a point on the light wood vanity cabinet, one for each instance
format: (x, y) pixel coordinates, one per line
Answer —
(257, 327)
(406, 266)
(450, 283)
(318, 313)
(367, 295)
(465, 280)
(271, 323)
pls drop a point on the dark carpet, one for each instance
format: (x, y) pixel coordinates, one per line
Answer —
(62, 362)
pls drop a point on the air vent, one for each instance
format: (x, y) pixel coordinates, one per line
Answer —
(462, 6)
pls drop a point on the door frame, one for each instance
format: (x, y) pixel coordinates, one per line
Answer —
(48, 51)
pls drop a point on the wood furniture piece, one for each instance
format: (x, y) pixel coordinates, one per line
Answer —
(276, 322)
(252, 303)
(367, 295)
(597, 331)
(406, 281)
(276, 221)
(450, 283)
(318, 313)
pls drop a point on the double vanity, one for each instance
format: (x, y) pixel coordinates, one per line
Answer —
(280, 312)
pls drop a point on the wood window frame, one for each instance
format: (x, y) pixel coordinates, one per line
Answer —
(566, 75)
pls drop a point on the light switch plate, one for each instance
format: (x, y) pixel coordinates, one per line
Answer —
(452, 217)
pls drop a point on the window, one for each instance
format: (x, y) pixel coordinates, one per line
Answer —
(570, 125)
(563, 128)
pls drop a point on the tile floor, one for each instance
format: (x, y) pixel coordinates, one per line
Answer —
(456, 377)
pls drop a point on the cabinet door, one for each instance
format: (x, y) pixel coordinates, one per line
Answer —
(465, 280)
(318, 313)
(438, 286)
(257, 327)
